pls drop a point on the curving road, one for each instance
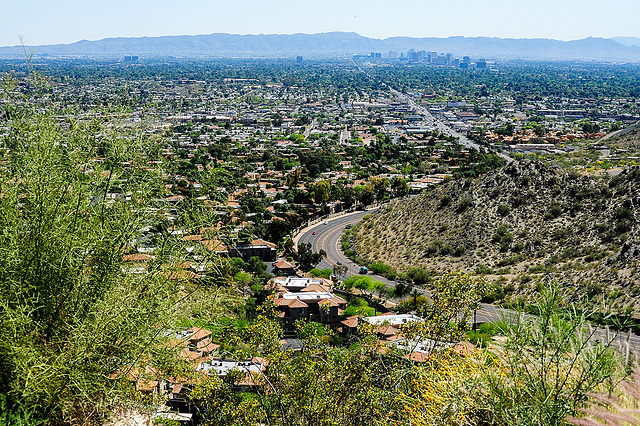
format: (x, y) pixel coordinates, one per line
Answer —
(327, 238)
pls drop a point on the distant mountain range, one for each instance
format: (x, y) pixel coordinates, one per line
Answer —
(627, 41)
(621, 49)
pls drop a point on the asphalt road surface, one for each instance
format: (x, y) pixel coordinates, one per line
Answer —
(327, 238)
(443, 127)
(430, 119)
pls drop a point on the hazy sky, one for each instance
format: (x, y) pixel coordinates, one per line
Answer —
(66, 21)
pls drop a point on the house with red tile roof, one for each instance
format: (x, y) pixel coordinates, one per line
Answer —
(284, 268)
(323, 307)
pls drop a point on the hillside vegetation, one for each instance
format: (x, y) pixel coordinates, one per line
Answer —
(628, 139)
(524, 220)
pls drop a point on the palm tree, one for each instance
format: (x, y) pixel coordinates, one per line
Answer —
(414, 295)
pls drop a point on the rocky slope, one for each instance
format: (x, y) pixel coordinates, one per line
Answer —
(627, 140)
(516, 224)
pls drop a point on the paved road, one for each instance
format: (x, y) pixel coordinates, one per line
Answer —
(309, 128)
(621, 132)
(327, 238)
(345, 135)
(431, 120)
(443, 127)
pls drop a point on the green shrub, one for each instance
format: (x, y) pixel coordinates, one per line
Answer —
(503, 209)
(358, 310)
(511, 260)
(538, 269)
(488, 328)
(554, 212)
(15, 415)
(446, 250)
(479, 339)
(433, 247)
(418, 275)
(509, 288)
(517, 247)
(561, 233)
(379, 268)
(553, 362)
(358, 302)
(459, 250)
(321, 273)
(483, 270)
(495, 293)
(502, 234)
(623, 213)
(622, 227)
(464, 204)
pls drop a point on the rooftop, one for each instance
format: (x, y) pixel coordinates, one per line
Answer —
(222, 367)
(392, 319)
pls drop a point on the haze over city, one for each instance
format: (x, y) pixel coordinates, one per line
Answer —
(40, 22)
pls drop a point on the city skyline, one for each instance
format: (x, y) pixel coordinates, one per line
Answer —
(39, 23)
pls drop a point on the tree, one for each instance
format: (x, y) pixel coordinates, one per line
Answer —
(70, 317)
(321, 193)
(363, 283)
(256, 266)
(401, 289)
(506, 130)
(364, 194)
(276, 119)
(448, 310)
(348, 197)
(380, 186)
(340, 270)
(589, 127)
(399, 186)
(414, 298)
(453, 300)
(369, 383)
(307, 260)
(243, 280)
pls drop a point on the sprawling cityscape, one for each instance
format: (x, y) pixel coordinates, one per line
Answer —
(402, 237)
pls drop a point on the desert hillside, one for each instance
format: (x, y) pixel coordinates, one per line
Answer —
(516, 224)
(628, 140)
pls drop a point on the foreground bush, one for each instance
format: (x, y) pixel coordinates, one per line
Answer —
(69, 316)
